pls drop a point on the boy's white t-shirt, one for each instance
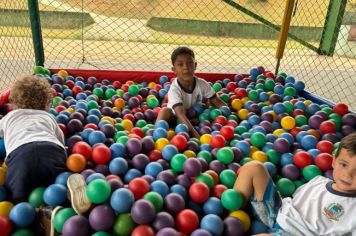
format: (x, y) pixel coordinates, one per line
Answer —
(177, 95)
(318, 209)
(23, 126)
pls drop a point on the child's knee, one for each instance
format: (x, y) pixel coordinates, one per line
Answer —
(254, 167)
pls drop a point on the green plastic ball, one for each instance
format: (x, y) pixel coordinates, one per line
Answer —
(122, 139)
(123, 225)
(156, 199)
(286, 187)
(98, 92)
(92, 105)
(273, 156)
(298, 183)
(217, 87)
(301, 120)
(240, 129)
(120, 92)
(328, 110)
(23, 232)
(119, 127)
(101, 233)
(152, 102)
(204, 116)
(288, 106)
(39, 70)
(98, 191)
(231, 200)
(225, 97)
(56, 101)
(61, 217)
(36, 197)
(311, 171)
(258, 139)
(227, 177)
(141, 123)
(245, 160)
(225, 155)
(177, 162)
(233, 117)
(109, 93)
(133, 90)
(205, 155)
(215, 113)
(252, 95)
(206, 179)
(269, 84)
(290, 91)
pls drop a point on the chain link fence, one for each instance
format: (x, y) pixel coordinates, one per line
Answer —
(227, 36)
(16, 47)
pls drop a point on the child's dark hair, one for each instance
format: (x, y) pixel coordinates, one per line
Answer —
(348, 143)
(30, 92)
(180, 51)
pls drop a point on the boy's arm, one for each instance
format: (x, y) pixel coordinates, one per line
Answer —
(216, 101)
(179, 110)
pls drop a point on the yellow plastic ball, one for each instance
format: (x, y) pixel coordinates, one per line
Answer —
(63, 73)
(205, 139)
(4, 165)
(278, 132)
(270, 93)
(260, 156)
(253, 149)
(243, 217)
(267, 103)
(151, 85)
(275, 117)
(108, 118)
(307, 102)
(236, 104)
(5, 208)
(161, 143)
(288, 122)
(150, 96)
(189, 153)
(70, 109)
(170, 134)
(128, 125)
(245, 99)
(2, 175)
(242, 114)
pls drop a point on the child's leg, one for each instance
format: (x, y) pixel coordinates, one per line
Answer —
(252, 179)
(166, 114)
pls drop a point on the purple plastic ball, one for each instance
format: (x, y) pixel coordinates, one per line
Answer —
(184, 180)
(174, 203)
(101, 168)
(139, 161)
(76, 226)
(217, 166)
(233, 227)
(85, 173)
(148, 144)
(115, 184)
(201, 232)
(315, 121)
(291, 172)
(281, 145)
(73, 140)
(349, 119)
(143, 212)
(74, 126)
(192, 167)
(108, 130)
(101, 218)
(167, 176)
(133, 146)
(163, 219)
(167, 232)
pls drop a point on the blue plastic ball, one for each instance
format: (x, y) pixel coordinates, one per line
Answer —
(158, 133)
(160, 187)
(153, 169)
(213, 206)
(117, 150)
(177, 188)
(181, 128)
(309, 142)
(94, 176)
(62, 178)
(122, 200)
(131, 174)
(162, 124)
(169, 151)
(212, 223)
(22, 214)
(96, 137)
(55, 195)
(118, 166)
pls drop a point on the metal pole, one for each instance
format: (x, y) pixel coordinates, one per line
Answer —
(36, 30)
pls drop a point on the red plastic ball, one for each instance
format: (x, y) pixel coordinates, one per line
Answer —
(155, 155)
(91, 126)
(83, 148)
(221, 120)
(232, 123)
(143, 230)
(187, 221)
(64, 129)
(302, 159)
(129, 117)
(199, 192)
(101, 154)
(231, 86)
(5, 226)
(341, 109)
(116, 84)
(138, 131)
(227, 131)
(125, 87)
(297, 112)
(325, 146)
(70, 84)
(327, 127)
(139, 187)
(324, 161)
(295, 131)
(76, 89)
(217, 141)
(180, 142)
(218, 190)
(240, 92)
(60, 108)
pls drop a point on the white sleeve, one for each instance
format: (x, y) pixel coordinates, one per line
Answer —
(2, 128)
(174, 97)
(207, 90)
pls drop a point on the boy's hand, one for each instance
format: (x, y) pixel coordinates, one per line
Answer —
(216, 101)
(180, 113)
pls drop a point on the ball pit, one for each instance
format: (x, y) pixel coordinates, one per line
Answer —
(150, 178)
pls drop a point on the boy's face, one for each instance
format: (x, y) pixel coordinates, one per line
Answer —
(184, 67)
(345, 172)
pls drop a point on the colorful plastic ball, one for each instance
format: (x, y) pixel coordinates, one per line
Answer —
(285, 186)
(96, 137)
(36, 197)
(233, 227)
(206, 178)
(143, 230)
(231, 200)
(259, 156)
(159, 133)
(258, 139)
(199, 192)
(201, 232)
(118, 166)
(325, 146)
(177, 162)
(139, 187)
(309, 142)
(192, 167)
(101, 154)
(61, 217)
(243, 217)
(271, 168)
(213, 206)
(5, 226)
(217, 141)
(76, 162)
(160, 187)
(121, 200)
(174, 203)
(281, 145)
(167, 232)
(180, 142)
(243, 146)
(187, 221)
(98, 191)
(324, 161)
(302, 159)
(227, 177)
(311, 171)
(156, 199)
(212, 223)
(163, 220)
(327, 127)
(288, 122)
(123, 225)
(340, 109)
(143, 212)
(55, 195)
(161, 143)
(225, 155)
(22, 214)
(76, 225)
(153, 169)
(227, 131)
(291, 172)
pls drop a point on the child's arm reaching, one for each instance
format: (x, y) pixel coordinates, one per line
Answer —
(179, 110)
(216, 101)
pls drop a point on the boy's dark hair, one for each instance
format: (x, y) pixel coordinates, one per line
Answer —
(348, 143)
(180, 51)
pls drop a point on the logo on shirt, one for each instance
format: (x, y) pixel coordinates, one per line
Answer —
(334, 211)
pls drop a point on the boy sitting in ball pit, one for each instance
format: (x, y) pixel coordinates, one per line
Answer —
(186, 90)
(33, 141)
(319, 207)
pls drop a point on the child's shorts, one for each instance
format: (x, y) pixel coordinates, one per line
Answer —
(266, 210)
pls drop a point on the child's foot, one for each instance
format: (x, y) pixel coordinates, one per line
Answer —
(78, 197)
(46, 217)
